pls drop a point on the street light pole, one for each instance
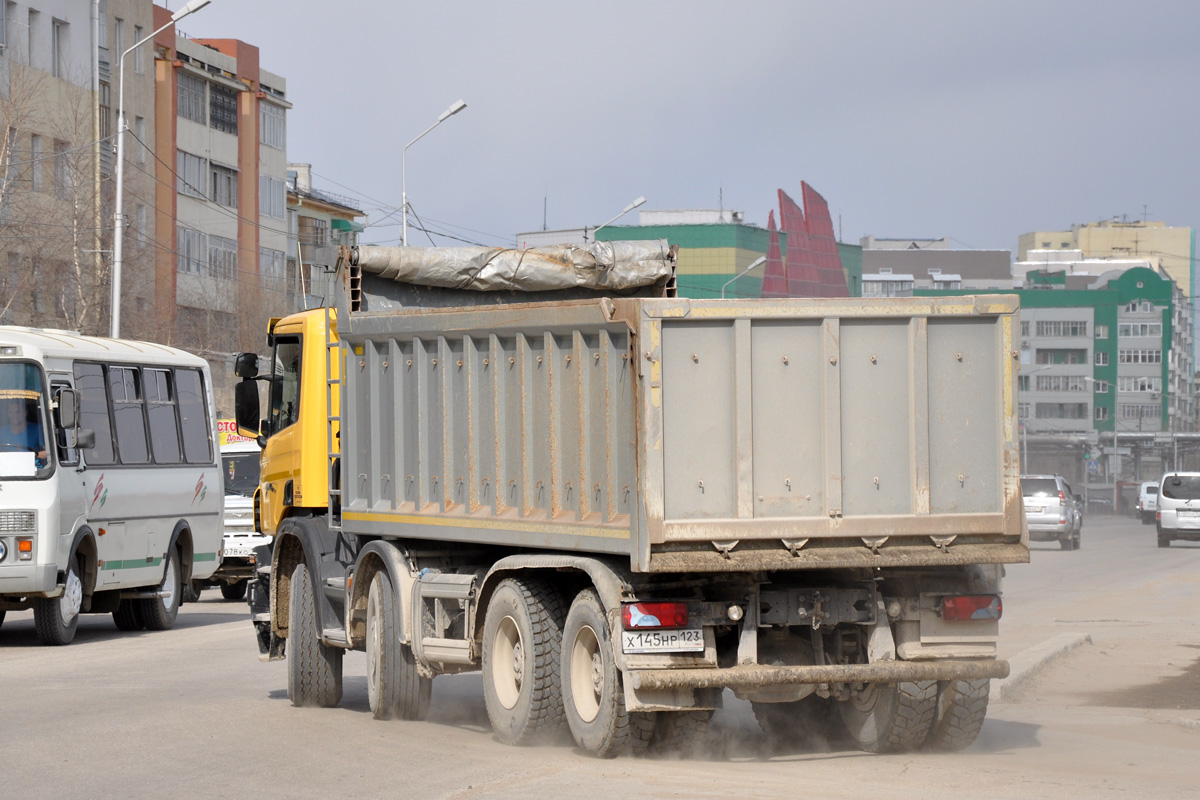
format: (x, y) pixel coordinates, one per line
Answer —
(447, 114)
(753, 264)
(122, 128)
(624, 211)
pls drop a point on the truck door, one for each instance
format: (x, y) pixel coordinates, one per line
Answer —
(282, 452)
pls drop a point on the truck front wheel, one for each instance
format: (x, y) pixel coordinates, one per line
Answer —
(314, 669)
(592, 692)
(394, 687)
(883, 718)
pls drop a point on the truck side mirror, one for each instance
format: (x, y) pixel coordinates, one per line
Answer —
(245, 405)
(246, 365)
(68, 408)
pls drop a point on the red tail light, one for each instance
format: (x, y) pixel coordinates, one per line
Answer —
(652, 616)
(971, 606)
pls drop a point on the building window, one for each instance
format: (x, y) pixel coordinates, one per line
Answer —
(1139, 356)
(105, 108)
(192, 248)
(270, 267)
(139, 224)
(272, 196)
(64, 175)
(1101, 358)
(1139, 307)
(1139, 411)
(35, 162)
(102, 39)
(190, 97)
(1024, 328)
(271, 125)
(1062, 410)
(222, 108)
(1153, 329)
(1101, 387)
(1101, 331)
(1062, 329)
(1022, 383)
(1023, 411)
(58, 48)
(224, 185)
(222, 257)
(1101, 412)
(1132, 383)
(118, 36)
(139, 61)
(139, 130)
(1061, 383)
(1061, 356)
(190, 171)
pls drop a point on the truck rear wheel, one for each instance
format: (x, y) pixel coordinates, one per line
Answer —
(591, 685)
(56, 618)
(235, 590)
(394, 687)
(961, 709)
(883, 718)
(679, 731)
(159, 613)
(522, 648)
(314, 669)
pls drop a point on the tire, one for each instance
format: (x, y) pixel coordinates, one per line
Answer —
(191, 591)
(159, 613)
(593, 696)
(810, 722)
(394, 687)
(314, 669)
(128, 616)
(1067, 544)
(883, 718)
(1164, 541)
(522, 648)
(2, 613)
(961, 708)
(679, 732)
(234, 591)
(56, 618)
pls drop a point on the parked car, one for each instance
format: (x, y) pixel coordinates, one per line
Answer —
(1052, 511)
(1179, 508)
(1147, 504)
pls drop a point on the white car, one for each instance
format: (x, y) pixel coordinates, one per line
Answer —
(1179, 508)
(1148, 501)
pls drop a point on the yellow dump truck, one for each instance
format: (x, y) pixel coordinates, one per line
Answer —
(618, 503)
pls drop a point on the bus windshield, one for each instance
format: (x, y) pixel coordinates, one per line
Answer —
(23, 450)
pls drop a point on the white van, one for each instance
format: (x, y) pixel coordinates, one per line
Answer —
(240, 471)
(1179, 508)
(1148, 501)
(110, 492)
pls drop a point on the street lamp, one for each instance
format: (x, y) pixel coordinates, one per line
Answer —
(624, 211)
(753, 264)
(122, 127)
(447, 114)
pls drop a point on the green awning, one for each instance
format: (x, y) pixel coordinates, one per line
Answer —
(345, 225)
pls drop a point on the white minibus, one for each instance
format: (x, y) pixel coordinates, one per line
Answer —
(110, 490)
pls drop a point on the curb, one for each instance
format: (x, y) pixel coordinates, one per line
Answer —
(1190, 724)
(1029, 662)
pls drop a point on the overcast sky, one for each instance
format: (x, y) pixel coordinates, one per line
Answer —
(977, 121)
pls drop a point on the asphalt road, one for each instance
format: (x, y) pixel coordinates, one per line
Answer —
(192, 712)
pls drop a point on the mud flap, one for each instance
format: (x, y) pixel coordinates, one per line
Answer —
(258, 596)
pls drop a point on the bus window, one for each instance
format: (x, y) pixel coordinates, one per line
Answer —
(193, 417)
(160, 411)
(129, 415)
(93, 412)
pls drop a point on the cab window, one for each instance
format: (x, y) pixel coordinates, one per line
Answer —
(285, 386)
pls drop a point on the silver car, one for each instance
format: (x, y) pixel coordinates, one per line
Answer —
(1052, 511)
(1179, 508)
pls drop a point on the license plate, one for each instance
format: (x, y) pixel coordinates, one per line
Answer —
(1187, 514)
(239, 552)
(1033, 509)
(687, 640)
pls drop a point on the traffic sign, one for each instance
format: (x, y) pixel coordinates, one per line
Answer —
(1093, 467)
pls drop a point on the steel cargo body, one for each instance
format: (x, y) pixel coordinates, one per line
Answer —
(690, 435)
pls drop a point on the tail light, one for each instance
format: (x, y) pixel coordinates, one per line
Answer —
(958, 608)
(653, 616)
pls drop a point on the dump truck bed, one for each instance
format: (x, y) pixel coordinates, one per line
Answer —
(691, 435)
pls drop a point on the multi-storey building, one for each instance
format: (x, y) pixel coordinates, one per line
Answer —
(898, 267)
(316, 221)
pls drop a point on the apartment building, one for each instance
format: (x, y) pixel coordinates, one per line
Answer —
(318, 222)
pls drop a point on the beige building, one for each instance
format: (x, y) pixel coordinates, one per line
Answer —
(318, 222)
(1174, 248)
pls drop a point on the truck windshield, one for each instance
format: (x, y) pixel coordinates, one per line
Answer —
(23, 450)
(241, 473)
(1181, 487)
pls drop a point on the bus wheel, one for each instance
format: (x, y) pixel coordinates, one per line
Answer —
(394, 687)
(56, 618)
(158, 613)
(314, 668)
(234, 591)
(883, 718)
(128, 616)
(522, 644)
(592, 692)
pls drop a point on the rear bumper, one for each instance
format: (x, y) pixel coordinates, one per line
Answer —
(753, 677)
(1049, 533)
